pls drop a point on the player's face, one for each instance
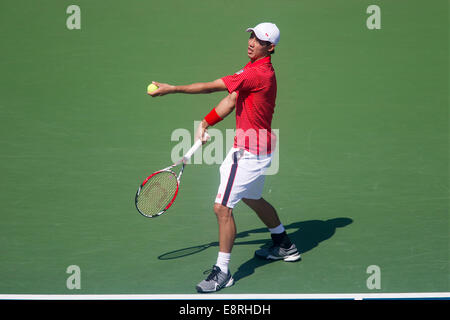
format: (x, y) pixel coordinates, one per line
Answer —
(257, 48)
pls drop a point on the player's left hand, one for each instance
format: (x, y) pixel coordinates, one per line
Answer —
(163, 89)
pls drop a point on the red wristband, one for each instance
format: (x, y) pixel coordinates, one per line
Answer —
(212, 118)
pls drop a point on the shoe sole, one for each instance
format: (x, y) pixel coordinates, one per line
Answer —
(289, 258)
(228, 284)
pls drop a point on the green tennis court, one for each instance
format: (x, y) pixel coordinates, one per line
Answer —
(362, 114)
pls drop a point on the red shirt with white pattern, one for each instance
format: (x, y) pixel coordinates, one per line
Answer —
(256, 88)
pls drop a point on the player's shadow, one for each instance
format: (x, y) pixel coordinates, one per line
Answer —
(305, 234)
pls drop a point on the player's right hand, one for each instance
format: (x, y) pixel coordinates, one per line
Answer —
(202, 129)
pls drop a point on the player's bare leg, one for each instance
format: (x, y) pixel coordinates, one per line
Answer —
(220, 276)
(265, 211)
(227, 227)
(282, 247)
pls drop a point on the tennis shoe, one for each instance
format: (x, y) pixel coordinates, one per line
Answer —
(274, 252)
(215, 281)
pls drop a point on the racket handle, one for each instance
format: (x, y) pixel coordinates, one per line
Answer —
(194, 148)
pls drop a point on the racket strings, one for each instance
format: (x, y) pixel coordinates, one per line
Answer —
(157, 193)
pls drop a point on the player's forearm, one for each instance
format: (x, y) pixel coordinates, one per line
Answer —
(193, 88)
(226, 105)
(201, 87)
(223, 109)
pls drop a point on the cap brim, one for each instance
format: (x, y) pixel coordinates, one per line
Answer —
(259, 36)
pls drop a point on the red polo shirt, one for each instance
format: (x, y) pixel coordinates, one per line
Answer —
(256, 88)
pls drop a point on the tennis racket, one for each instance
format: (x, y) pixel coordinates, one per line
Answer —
(158, 191)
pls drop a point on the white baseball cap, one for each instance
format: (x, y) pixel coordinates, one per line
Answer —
(266, 31)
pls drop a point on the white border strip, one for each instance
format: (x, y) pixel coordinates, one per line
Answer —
(319, 296)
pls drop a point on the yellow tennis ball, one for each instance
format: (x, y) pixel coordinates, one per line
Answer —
(152, 87)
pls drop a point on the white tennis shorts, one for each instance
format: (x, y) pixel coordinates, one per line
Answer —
(241, 176)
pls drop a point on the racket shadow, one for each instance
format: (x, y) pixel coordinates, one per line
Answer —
(180, 253)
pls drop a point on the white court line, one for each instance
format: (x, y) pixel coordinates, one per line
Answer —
(318, 296)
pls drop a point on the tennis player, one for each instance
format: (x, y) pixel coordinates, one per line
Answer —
(252, 93)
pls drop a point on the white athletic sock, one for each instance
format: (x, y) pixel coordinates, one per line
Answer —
(279, 229)
(223, 259)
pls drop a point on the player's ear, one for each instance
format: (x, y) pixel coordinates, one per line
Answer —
(271, 48)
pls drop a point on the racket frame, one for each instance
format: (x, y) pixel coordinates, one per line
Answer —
(182, 161)
(168, 169)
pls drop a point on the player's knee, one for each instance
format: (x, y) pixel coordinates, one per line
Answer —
(222, 211)
(219, 209)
